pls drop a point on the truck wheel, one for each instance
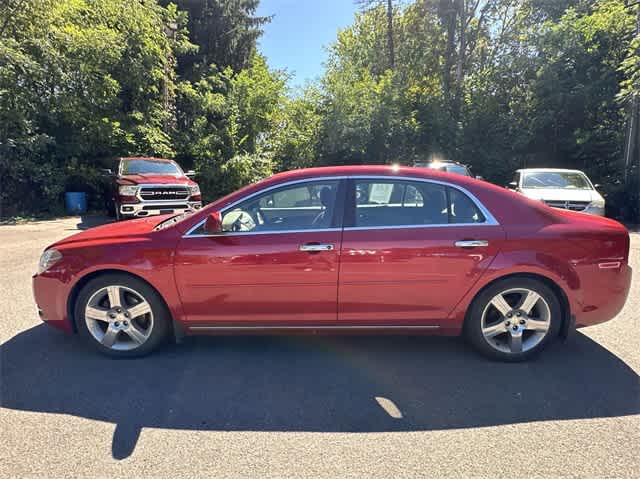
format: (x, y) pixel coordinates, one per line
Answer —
(110, 207)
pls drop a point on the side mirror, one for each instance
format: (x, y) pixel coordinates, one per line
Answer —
(213, 223)
(479, 177)
(513, 185)
(597, 185)
(190, 174)
(107, 172)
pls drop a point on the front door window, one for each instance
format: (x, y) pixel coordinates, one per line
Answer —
(303, 206)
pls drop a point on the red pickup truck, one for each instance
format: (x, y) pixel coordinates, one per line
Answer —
(150, 186)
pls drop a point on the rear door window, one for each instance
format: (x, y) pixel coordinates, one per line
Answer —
(389, 203)
(397, 203)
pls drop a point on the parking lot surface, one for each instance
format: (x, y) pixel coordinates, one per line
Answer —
(300, 407)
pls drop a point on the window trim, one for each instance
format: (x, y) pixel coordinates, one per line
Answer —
(337, 214)
(347, 195)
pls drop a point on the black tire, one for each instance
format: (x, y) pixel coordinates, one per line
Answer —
(110, 208)
(473, 331)
(159, 318)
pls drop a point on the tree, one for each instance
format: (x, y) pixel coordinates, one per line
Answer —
(388, 5)
(80, 80)
(224, 31)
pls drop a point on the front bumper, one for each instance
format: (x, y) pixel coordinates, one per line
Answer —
(151, 208)
(50, 295)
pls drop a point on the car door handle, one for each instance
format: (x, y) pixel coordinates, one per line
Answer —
(471, 243)
(315, 247)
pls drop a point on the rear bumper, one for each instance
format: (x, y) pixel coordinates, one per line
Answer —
(604, 293)
(151, 208)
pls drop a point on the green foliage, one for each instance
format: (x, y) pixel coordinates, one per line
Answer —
(80, 80)
(222, 178)
(226, 116)
(496, 84)
(225, 32)
(85, 81)
(296, 130)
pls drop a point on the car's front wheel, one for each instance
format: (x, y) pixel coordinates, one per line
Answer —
(121, 316)
(513, 319)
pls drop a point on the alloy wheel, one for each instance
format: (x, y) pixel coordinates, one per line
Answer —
(516, 320)
(119, 318)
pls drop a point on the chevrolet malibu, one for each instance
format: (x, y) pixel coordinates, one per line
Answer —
(358, 249)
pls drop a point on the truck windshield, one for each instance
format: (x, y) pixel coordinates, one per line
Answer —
(154, 167)
(556, 179)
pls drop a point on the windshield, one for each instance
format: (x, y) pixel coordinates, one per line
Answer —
(149, 167)
(458, 169)
(556, 179)
(449, 168)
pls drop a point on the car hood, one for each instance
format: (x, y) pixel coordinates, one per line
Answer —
(121, 230)
(560, 194)
(154, 179)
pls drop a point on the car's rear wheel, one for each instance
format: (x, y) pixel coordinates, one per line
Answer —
(121, 316)
(514, 319)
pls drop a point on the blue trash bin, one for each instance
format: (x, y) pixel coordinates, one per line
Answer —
(75, 202)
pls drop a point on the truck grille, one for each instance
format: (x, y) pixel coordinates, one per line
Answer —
(568, 205)
(155, 193)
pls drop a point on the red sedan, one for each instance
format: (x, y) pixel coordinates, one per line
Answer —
(365, 249)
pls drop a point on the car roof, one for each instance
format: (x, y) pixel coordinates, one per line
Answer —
(369, 170)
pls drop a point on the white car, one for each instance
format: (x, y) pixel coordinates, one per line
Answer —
(558, 188)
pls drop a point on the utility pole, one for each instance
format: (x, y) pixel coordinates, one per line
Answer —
(632, 150)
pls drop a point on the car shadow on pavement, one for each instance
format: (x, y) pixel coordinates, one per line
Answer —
(91, 220)
(320, 384)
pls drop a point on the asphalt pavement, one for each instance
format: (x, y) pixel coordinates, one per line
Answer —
(338, 407)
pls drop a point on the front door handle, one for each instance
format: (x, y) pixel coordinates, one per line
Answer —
(471, 243)
(315, 247)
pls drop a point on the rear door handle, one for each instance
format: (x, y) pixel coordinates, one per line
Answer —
(471, 243)
(315, 247)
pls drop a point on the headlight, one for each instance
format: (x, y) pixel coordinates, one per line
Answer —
(48, 259)
(127, 190)
(194, 190)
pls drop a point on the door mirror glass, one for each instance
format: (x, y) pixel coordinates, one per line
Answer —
(213, 223)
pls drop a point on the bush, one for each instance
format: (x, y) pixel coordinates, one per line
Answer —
(219, 179)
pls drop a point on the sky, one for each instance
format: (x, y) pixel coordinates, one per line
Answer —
(300, 32)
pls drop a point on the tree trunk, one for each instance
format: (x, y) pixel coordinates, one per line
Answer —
(392, 53)
(448, 16)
